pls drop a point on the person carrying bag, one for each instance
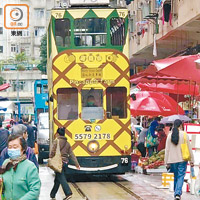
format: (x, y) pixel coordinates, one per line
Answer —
(184, 148)
(55, 163)
(176, 157)
(152, 139)
(61, 152)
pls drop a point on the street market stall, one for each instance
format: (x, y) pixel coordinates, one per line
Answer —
(179, 76)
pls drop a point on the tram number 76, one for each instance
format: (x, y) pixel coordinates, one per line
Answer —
(124, 161)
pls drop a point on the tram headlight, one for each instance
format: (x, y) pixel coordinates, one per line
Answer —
(93, 146)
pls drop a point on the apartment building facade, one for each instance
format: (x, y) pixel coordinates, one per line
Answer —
(29, 40)
(22, 82)
(162, 28)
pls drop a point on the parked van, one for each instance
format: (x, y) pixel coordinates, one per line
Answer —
(43, 137)
(7, 112)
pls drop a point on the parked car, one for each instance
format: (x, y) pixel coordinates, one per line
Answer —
(43, 137)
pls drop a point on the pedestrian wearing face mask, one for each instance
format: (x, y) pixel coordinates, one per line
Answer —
(21, 130)
(19, 176)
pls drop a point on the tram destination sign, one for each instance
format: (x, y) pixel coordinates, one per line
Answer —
(91, 73)
(89, 2)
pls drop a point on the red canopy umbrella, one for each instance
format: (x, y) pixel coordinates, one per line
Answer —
(154, 104)
(183, 67)
(4, 86)
(170, 88)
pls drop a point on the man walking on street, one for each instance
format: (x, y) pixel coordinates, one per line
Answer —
(30, 131)
(66, 154)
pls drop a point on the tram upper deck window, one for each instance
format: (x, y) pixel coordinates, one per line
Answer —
(90, 32)
(117, 31)
(116, 98)
(92, 104)
(67, 99)
(62, 32)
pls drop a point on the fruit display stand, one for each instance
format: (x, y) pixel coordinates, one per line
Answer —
(155, 163)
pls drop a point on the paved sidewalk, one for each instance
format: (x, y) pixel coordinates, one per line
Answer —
(146, 187)
(47, 179)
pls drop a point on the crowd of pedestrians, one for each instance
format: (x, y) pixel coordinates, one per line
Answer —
(19, 169)
(152, 138)
(19, 166)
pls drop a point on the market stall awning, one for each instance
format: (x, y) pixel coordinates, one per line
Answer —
(145, 78)
(154, 104)
(170, 88)
(4, 86)
(183, 67)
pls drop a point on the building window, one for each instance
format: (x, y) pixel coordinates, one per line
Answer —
(1, 11)
(1, 49)
(132, 24)
(39, 31)
(26, 49)
(145, 9)
(21, 85)
(13, 48)
(25, 33)
(1, 30)
(39, 13)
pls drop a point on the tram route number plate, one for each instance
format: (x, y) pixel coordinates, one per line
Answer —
(124, 161)
(95, 136)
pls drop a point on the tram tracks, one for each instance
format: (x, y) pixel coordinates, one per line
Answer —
(118, 184)
(127, 190)
(81, 193)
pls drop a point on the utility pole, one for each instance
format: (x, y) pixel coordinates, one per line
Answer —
(17, 85)
(18, 103)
